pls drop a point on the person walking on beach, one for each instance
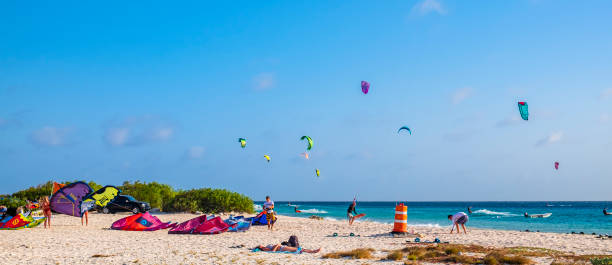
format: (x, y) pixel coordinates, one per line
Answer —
(269, 208)
(45, 205)
(459, 218)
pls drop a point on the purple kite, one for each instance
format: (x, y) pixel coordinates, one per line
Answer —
(67, 200)
(556, 165)
(365, 87)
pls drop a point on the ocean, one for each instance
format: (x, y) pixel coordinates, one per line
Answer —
(567, 216)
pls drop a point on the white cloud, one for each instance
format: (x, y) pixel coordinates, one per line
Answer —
(194, 152)
(427, 6)
(117, 136)
(264, 81)
(607, 93)
(461, 94)
(51, 136)
(552, 138)
(508, 122)
(605, 117)
(136, 131)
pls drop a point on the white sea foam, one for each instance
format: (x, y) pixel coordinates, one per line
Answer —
(312, 211)
(489, 212)
(330, 218)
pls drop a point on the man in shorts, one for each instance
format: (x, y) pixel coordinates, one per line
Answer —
(269, 208)
(459, 218)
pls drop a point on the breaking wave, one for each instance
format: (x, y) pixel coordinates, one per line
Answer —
(489, 212)
(313, 211)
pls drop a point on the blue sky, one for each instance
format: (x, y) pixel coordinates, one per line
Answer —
(160, 92)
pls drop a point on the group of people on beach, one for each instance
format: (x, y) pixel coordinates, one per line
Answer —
(43, 204)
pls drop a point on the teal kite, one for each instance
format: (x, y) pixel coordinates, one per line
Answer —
(242, 142)
(309, 141)
(317, 172)
(523, 110)
(404, 128)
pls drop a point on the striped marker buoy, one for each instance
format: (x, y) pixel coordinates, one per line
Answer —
(400, 224)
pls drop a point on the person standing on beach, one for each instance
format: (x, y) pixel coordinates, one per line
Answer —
(351, 212)
(45, 205)
(459, 218)
(269, 208)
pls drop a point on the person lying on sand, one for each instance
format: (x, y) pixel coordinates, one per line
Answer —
(459, 218)
(290, 246)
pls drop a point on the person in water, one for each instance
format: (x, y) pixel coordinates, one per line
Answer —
(605, 211)
(351, 212)
(470, 209)
(296, 210)
(290, 246)
(269, 208)
(459, 218)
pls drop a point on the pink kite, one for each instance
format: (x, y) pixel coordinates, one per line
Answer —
(365, 87)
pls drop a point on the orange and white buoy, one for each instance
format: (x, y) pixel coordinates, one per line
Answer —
(400, 224)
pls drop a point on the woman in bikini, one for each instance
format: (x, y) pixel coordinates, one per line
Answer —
(46, 207)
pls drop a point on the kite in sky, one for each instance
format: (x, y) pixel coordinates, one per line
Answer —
(523, 110)
(404, 128)
(309, 141)
(317, 172)
(305, 155)
(242, 142)
(365, 87)
(556, 165)
(267, 158)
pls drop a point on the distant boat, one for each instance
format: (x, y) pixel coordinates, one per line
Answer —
(540, 215)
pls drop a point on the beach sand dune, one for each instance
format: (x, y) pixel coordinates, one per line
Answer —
(67, 242)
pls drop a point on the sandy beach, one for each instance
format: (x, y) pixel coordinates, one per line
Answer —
(67, 242)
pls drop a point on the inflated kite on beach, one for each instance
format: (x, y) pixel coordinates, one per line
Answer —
(67, 200)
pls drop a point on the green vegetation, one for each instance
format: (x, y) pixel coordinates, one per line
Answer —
(210, 201)
(12, 202)
(601, 261)
(158, 195)
(154, 193)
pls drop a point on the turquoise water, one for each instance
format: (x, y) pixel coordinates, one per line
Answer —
(566, 216)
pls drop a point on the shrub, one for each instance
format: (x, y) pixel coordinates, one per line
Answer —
(395, 255)
(36, 192)
(601, 261)
(154, 193)
(360, 253)
(499, 257)
(209, 201)
(12, 202)
(461, 259)
(452, 250)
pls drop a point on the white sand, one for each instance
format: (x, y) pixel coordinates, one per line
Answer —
(67, 242)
